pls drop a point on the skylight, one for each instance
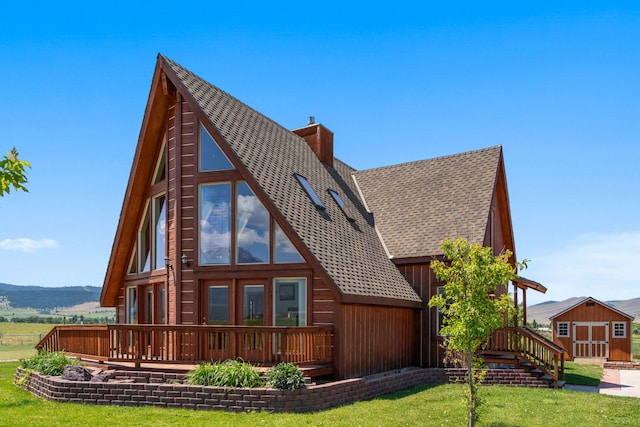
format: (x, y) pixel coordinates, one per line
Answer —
(336, 197)
(310, 191)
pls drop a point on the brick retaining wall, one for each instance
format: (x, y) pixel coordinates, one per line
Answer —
(166, 390)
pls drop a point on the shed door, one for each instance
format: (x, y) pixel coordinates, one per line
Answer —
(591, 339)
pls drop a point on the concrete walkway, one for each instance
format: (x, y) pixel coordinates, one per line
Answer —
(615, 382)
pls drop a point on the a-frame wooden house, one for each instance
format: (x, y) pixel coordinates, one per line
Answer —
(240, 238)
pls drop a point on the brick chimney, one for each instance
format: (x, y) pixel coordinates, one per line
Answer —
(320, 139)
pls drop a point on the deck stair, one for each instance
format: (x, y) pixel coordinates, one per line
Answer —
(522, 348)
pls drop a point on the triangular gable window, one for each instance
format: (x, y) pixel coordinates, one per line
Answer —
(161, 169)
(284, 251)
(211, 156)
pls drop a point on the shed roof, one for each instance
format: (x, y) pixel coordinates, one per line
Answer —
(582, 301)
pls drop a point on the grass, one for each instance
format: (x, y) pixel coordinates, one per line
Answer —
(17, 340)
(419, 406)
(579, 374)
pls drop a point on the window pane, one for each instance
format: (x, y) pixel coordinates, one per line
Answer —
(310, 191)
(160, 173)
(215, 223)
(218, 305)
(132, 306)
(284, 251)
(211, 157)
(290, 302)
(144, 240)
(162, 306)
(253, 228)
(159, 230)
(149, 307)
(253, 305)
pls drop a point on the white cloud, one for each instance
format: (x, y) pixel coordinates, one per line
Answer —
(603, 266)
(27, 245)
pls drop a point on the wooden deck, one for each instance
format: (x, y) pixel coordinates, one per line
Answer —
(162, 345)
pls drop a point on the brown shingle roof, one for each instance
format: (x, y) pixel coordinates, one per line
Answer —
(351, 254)
(418, 204)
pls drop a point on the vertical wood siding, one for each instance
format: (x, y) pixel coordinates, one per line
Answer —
(425, 283)
(372, 339)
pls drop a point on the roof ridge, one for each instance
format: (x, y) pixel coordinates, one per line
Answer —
(448, 156)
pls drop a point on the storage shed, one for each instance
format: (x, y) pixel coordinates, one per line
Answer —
(592, 328)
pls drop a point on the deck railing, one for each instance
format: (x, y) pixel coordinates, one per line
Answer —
(525, 343)
(192, 344)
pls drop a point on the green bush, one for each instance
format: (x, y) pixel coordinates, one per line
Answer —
(48, 363)
(285, 376)
(230, 373)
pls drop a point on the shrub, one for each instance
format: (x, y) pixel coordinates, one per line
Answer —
(285, 376)
(230, 373)
(48, 363)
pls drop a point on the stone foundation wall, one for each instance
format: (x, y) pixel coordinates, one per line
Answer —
(166, 390)
(622, 365)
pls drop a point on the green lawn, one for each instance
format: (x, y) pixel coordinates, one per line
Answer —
(420, 406)
(17, 340)
(579, 374)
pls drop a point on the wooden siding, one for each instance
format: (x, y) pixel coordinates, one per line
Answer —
(425, 283)
(619, 348)
(373, 339)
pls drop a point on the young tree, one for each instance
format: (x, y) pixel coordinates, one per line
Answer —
(13, 173)
(470, 306)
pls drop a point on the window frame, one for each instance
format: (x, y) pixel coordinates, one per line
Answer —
(341, 204)
(231, 225)
(201, 128)
(301, 288)
(158, 263)
(568, 329)
(311, 192)
(614, 330)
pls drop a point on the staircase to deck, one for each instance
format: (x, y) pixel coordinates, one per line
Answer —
(523, 348)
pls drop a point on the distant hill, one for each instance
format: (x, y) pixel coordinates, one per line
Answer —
(541, 312)
(40, 297)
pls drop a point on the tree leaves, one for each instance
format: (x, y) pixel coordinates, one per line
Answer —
(13, 173)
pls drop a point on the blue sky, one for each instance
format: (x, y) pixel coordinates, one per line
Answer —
(556, 85)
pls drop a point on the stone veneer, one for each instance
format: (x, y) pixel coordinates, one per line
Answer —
(166, 390)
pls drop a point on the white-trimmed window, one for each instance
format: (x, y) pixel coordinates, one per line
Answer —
(619, 330)
(290, 302)
(563, 329)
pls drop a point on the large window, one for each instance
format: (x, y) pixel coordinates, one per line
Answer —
(252, 224)
(215, 223)
(290, 302)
